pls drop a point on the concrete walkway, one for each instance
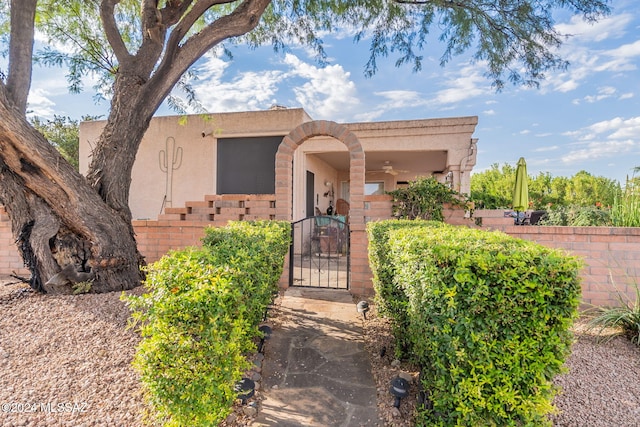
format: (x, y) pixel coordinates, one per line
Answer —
(316, 371)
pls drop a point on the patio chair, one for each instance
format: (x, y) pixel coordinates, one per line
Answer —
(342, 208)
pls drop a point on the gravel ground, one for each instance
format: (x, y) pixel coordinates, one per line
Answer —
(65, 361)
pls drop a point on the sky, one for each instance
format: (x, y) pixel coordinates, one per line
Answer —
(584, 118)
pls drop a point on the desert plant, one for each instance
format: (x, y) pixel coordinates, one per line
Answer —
(624, 318)
(626, 206)
(82, 287)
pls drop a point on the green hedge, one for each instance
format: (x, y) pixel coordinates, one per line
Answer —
(487, 318)
(390, 299)
(199, 320)
(256, 249)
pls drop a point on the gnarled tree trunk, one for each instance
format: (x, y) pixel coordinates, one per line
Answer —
(57, 218)
(70, 229)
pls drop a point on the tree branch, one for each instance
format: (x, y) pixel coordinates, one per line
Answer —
(111, 30)
(178, 59)
(21, 52)
(174, 9)
(187, 22)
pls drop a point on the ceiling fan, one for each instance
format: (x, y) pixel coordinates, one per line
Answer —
(387, 167)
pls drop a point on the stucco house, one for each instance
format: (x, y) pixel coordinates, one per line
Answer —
(183, 158)
(282, 164)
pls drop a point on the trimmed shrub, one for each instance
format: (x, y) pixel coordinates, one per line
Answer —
(256, 251)
(199, 320)
(488, 320)
(390, 299)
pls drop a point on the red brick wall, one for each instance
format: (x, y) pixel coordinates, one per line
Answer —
(611, 254)
(10, 261)
(156, 238)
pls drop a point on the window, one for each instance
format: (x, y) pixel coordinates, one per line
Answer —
(373, 188)
(345, 191)
(247, 165)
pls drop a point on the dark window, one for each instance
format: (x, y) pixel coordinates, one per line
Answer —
(247, 165)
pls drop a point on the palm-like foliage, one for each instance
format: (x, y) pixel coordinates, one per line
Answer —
(625, 318)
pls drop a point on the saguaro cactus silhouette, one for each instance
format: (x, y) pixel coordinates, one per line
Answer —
(170, 160)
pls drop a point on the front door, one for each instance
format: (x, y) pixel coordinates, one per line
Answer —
(319, 255)
(310, 190)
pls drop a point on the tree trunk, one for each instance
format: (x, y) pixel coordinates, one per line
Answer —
(60, 223)
(70, 229)
(115, 153)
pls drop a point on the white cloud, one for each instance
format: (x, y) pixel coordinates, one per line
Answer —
(626, 50)
(212, 68)
(620, 58)
(329, 92)
(545, 149)
(39, 104)
(249, 91)
(489, 112)
(402, 99)
(254, 90)
(600, 149)
(584, 56)
(606, 28)
(603, 93)
(465, 83)
(603, 139)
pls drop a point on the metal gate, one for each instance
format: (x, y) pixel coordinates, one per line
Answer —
(319, 255)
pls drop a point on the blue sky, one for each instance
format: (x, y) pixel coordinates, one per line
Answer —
(584, 118)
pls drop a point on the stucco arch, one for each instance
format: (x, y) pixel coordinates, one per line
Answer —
(284, 168)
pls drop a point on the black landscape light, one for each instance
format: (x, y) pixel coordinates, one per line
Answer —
(245, 388)
(423, 398)
(363, 307)
(399, 389)
(266, 334)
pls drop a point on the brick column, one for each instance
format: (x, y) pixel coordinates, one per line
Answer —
(360, 274)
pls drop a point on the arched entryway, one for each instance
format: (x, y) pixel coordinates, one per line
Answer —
(360, 275)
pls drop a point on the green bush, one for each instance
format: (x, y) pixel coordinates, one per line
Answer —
(199, 320)
(488, 320)
(577, 216)
(390, 299)
(256, 251)
(424, 199)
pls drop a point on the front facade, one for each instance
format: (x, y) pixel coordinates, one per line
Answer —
(184, 158)
(282, 164)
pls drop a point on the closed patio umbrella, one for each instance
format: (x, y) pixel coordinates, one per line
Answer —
(521, 191)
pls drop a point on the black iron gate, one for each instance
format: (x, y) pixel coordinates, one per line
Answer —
(319, 255)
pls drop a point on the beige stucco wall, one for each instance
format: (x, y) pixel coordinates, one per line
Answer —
(195, 176)
(446, 145)
(324, 173)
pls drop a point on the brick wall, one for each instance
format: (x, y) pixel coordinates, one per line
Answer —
(176, 228)
(10, 261)
(611, 254)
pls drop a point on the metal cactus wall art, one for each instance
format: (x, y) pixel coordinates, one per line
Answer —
(170, 160)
